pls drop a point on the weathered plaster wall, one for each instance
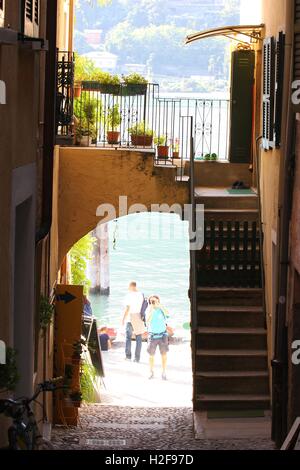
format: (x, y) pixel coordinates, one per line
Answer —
(275, 17)
(89, 177)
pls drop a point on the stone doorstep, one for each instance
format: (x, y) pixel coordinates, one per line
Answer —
(231, 428)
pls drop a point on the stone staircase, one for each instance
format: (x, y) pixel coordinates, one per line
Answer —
(230, 360)
(231, 370)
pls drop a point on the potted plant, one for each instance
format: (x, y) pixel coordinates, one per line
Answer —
(162, 147)
(86, 111)
(9, 375)
(134, 84)
(175, 149)
(141, 135)
(76, 397)
(213, 157)
(46, 312)
(113, 120)
(77, 351)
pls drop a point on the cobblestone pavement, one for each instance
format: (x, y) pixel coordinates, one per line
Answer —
(117, 428)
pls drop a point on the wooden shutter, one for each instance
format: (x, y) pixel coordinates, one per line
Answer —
(31, 17)
(279, 77)
(2, 6)
(241, 122)
(268, 92)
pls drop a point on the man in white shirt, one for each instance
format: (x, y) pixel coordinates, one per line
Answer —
(134, 323)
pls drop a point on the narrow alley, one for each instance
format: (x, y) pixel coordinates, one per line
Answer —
(138, 413)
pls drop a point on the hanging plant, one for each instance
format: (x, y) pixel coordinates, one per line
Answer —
(9, 375)
(46, 312)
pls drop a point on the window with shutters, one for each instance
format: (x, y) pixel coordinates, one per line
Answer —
(31, 17)
(279, 77)
(2, 6)
(268, 92)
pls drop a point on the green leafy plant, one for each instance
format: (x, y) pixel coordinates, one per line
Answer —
(105, 78)
(135, 79)
(80, 253)
(46, 311)
(87, 380)
(84, 68)
(160, 140)
(113, 118)
(175, 145)
(140, 128)
(9, 375)
(87, 110)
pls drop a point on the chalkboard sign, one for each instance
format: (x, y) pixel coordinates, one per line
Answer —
(95, 349)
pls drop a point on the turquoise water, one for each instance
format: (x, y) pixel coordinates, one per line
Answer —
(153, 250)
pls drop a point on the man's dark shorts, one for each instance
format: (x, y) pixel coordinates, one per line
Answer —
(162, 343)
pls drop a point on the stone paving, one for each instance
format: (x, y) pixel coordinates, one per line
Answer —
(114, 427)
(136, 413)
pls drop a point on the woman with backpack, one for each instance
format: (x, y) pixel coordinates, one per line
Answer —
(157, 334)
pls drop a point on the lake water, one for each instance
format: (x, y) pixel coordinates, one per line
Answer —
(153, 250)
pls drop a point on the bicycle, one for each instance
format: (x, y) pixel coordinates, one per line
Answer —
(24, 434)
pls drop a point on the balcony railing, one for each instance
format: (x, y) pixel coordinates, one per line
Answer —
(136, 116)
(65, 95)
(118, 116)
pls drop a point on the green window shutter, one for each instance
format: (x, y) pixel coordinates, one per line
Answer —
(279, 75)
(241, 122)
(268, 92)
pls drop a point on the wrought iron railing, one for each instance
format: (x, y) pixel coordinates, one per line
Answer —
(65, 94)
(117, 116)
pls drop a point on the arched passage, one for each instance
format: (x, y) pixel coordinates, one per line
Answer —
(85, 178)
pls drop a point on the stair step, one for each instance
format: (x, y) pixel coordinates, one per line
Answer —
(232, 338)
(232, 402)
(232, 382)
(229, 296)
(232, 202)
(234, 316)
(232, 331)
(232, 374)
(229, 215)
(230, 360)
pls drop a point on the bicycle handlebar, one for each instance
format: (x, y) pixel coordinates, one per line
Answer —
(47, 386)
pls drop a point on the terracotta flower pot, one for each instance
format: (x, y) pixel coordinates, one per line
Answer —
(163, 151)
(141, 140)
(175, 154)
(113, 137)
(77, 91)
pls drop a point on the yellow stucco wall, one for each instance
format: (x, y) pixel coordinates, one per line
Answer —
(89, 177)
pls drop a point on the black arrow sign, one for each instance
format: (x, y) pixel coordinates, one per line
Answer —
(66, 297)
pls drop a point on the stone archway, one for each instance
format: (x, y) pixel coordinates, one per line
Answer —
(85, 178)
